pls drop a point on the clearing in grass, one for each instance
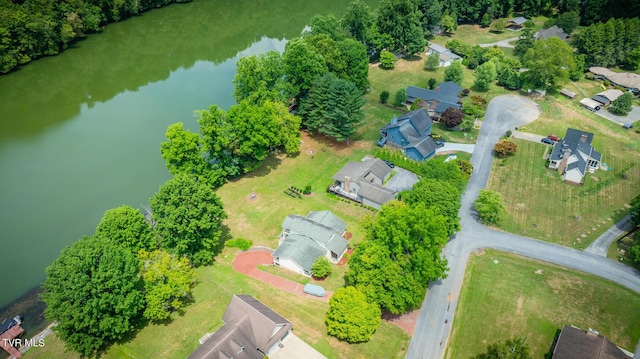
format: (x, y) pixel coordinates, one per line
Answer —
(505, 295)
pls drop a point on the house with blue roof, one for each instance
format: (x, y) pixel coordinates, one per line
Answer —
(438, 100)
(305, 239)
(574, 156)
(410, 133)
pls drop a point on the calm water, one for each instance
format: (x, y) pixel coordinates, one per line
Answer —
(80, 132)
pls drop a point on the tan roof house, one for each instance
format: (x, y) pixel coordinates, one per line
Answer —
(251, 330)
(628, 80)
(576, 343)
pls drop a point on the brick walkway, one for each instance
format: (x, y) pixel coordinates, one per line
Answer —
(247, 263)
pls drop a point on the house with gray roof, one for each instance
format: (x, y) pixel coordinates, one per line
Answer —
(410, 133)
(576, 343)
(553, 31)
(305, 239)
(445, 55)
(438, 100)
(516, 23)
(574, 156)
(363, 182)
(627, 80)
(251, 330)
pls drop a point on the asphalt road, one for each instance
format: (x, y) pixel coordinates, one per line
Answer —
(436, 317)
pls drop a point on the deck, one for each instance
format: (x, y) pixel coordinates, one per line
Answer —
(10, 334)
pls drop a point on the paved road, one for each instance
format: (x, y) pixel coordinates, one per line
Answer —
(632, 116)
(601, 245)
(436, 317)
(501, 43)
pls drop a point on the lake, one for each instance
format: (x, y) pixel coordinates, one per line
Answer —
(80, 132)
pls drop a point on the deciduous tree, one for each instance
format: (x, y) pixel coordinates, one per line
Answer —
(490, 208)
(92, 291)
(455, 73)
(505, 148)
(432, 62)
(622, 105)
(549, 63)
(127, 227)
(302, 64)
(568, 21)
(321, 268)
(513, 348)
(440, 195)
(451, 117)
(448, 24)
(485, 75)
(357, 20)
(400, 20)
(259, 74)
(350, 317)
(182, 151)
(387, 59)
(499, 25)
(400, 98)
(188, 216)
(168, 280)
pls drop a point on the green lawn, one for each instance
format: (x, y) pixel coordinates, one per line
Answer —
(212, 294)
(475, 34)
(548, 204)
(520, 296)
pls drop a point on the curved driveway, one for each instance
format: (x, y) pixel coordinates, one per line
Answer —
(436, 317)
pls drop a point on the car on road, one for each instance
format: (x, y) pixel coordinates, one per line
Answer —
(390, 164)
(547, 141)
(553, 138)
(439, 143)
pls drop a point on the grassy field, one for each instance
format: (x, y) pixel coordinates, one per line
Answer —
(212, 294)
(520, 296)
(548, 204)
(476, 34)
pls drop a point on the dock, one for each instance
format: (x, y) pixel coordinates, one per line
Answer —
(11, 334)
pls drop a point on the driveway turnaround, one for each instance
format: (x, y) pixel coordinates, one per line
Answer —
(247, 263)
(403, 180)
(436, 317)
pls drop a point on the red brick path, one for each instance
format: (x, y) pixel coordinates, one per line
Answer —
(247, 263)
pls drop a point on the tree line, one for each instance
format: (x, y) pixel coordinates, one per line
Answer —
(31, 29)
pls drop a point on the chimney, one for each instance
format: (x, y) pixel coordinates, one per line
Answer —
(347, 183)
(583, 138)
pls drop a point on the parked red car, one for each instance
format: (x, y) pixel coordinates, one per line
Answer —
(553, 138)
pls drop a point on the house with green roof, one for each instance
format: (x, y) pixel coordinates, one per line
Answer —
(305, 239)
